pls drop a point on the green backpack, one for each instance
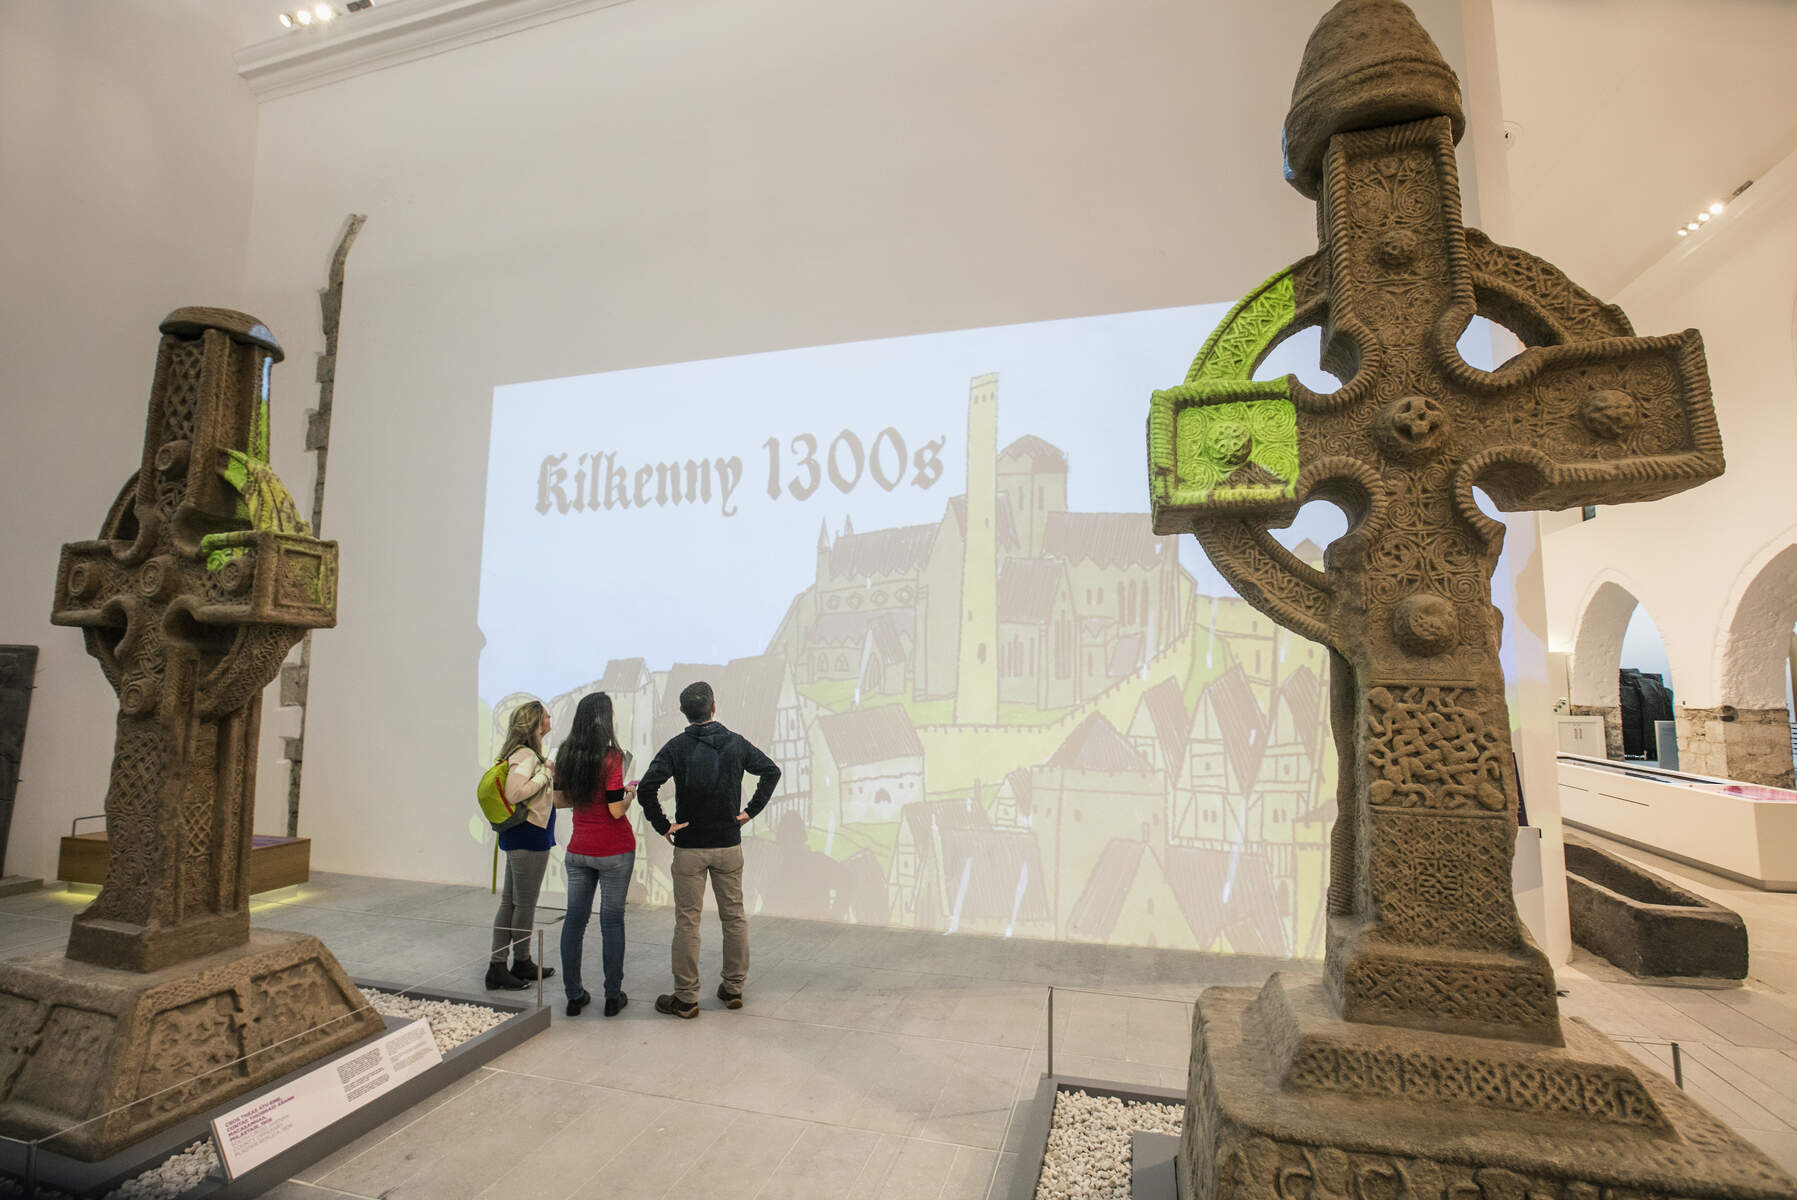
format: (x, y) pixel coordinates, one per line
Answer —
(490, 795)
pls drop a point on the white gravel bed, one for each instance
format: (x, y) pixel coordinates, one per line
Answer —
(176, 1175)
(1088, 1144)
(452, 1023)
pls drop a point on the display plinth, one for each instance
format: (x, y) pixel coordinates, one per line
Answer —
(148, 1049)
(1287, 1100)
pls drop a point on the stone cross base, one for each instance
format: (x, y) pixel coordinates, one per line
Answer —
(1287, 1101)
(149, 1050)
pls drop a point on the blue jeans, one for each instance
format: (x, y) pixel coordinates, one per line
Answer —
(610, 875)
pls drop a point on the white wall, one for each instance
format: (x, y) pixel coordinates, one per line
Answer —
(1689, 559)
(126, 146)
(673, 179)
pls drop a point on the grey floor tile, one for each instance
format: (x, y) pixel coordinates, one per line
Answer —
(649, 1164)
(293, 1189)
(459, 1149)
(902, 1168)
(1720, 1021)
(972, 1176)
(743, 1158)
(1773, 1011)
(1769, 1076)
(823, 1164)
(903, 1076)
(387, 1129)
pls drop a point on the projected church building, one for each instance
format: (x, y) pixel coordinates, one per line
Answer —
(1125, 760)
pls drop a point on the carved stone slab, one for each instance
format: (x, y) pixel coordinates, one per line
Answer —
(18, 668)
(1288, 1102)
(139, 1051)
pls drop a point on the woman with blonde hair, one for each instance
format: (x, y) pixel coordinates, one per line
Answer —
(529, 781)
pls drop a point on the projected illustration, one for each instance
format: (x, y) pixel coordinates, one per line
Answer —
(1000, 703)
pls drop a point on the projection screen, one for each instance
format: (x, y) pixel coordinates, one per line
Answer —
(919, 574)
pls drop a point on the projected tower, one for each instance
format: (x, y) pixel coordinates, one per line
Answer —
(976, 675)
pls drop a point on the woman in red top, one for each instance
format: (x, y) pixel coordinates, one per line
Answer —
(589, 779)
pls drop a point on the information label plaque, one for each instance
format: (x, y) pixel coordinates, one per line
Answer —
(253, 1133)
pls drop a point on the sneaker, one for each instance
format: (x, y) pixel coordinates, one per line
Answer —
(500, 979)
(614, 1003)
(576, 1003)
(731, 999)
(528, 971)
(673, 1008)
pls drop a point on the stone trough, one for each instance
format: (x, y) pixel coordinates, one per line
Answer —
(1645, 924)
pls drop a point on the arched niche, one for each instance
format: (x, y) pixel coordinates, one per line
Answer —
(1748, 735)
(1597, 656)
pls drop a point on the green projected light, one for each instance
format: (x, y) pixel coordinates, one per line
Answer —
(1222, 441)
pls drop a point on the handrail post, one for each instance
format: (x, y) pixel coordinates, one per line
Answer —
(1051, 1030)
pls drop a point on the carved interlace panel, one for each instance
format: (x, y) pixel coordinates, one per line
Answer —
(1430, 747)
(1443, 882)
(1398, 990)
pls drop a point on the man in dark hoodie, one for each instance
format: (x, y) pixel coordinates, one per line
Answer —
(706, 763)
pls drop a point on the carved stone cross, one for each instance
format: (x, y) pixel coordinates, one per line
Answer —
(1423, 926)
(201, 581)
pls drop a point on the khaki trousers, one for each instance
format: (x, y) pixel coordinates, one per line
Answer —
(725, 866)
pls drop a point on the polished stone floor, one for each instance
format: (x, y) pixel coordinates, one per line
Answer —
(871, 1062)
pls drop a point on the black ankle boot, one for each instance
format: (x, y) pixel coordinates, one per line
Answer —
(529, 972)
(500, 979)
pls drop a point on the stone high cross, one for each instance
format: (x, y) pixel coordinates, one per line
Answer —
(201, 581)
(1423, 927)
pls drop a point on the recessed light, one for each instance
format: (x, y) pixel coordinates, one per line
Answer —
(1684, 233)
(1703, 216)
(1716, 208)
(286, 21)
(303, 16)
(1692, 226)
(324, 12)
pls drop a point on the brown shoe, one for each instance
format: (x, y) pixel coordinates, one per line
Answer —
(673, 1008)
(731, 999)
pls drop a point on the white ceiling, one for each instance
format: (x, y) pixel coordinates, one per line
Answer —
(1634, 114)
(1630, 115)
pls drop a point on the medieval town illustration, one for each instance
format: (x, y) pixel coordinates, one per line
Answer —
(1130, 761)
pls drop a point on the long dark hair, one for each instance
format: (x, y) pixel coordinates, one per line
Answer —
(580, 763)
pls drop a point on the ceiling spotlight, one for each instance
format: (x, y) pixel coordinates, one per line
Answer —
(286, 21)
(303, 16)
(1692, 227)
(1716, 208)
(1684, 233)
(324, 12)
(1704, 216)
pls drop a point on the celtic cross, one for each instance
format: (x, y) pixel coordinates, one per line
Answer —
(1423, 926)
(202, 579)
